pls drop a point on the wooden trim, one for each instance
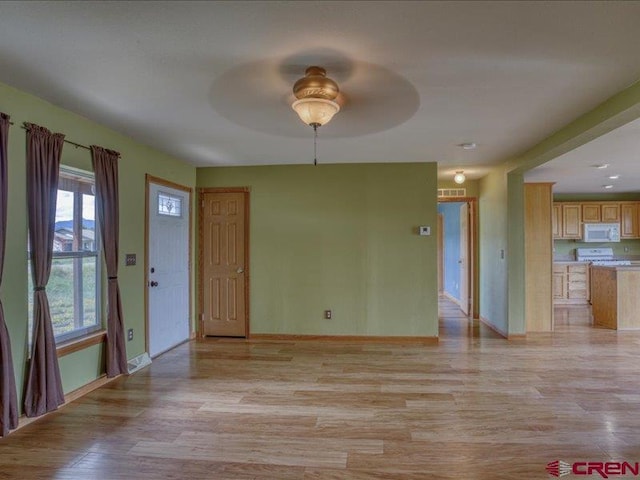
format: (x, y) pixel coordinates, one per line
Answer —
(224, 189)
(247, 264)
(147, 181)
(88, 388)
(101, 381)
(200, 292)
(176, 186)
(517, 336)
(499, 331)
(457, 199)
(167, 183)
(78, 344)
(268, 337)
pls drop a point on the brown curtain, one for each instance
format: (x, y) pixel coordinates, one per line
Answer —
(43, 391)
(105, 166)
(8, 396)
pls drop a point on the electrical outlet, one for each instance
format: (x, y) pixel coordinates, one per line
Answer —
(130, 334)
(327, 314)
(626, 249)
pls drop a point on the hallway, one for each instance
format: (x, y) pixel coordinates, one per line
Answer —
(454, 325)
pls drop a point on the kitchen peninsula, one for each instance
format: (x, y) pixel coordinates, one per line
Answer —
(615, 296)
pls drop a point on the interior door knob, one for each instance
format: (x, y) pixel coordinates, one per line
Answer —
(240, 270)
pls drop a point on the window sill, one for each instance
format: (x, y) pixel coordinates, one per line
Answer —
(78, 344)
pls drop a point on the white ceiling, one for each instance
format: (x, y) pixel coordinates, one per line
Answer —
(210, 82)
(577, 172)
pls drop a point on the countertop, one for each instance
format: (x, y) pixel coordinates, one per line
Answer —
(618, 268)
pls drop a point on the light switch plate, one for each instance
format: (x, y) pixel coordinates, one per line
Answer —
(130, 259)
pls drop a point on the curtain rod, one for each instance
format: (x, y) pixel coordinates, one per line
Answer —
(77, 145)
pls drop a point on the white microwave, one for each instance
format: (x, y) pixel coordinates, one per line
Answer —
(601, 232)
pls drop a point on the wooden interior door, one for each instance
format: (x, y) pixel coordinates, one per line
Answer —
(224, 276)
(464, 258)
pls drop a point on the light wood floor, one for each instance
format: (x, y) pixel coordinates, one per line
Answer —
(475, 406)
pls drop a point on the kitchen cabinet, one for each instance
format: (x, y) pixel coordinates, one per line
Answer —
(615, 297)
(629, 220)
(556, 220)
(610, 212)
(596, 212)
(591, 213)
(571, 220)
(571, 282)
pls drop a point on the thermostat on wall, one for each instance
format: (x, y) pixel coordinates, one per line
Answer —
(424, 230)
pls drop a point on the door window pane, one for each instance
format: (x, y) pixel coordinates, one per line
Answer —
(169, 205)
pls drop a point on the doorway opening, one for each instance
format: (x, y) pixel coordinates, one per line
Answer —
(457, 258)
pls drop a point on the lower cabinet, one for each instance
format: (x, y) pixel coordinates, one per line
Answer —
(570, 283)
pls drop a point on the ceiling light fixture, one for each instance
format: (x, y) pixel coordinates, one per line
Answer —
(601, 166)
(468, 146)
(607, 186)
(315, 105)
(459, 177)
(614, 177)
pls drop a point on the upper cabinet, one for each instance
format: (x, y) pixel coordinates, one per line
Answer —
(556, 219)
(610, 213)
(597, 212)
(591, 213)
(629, 223)
(571, 216)
(568, 218)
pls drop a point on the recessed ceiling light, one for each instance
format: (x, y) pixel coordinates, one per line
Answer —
(468, 146)
(607, 186)
(601, 166)
(614, 177)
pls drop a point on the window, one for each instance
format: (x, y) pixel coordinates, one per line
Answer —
(169, 205)
(74, 283)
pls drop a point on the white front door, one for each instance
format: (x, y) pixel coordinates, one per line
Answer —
(168, 268)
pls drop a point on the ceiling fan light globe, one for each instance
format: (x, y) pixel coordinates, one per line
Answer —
(315, 110)
(459, 178)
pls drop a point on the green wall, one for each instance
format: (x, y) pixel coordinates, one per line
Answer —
(472, 186)
(341, 237)
(624, 248)
(492, 235)
(82, 367)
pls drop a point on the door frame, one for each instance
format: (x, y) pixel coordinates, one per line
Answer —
(246, 191)
(440, 254)
(474, 266)
(176, 186)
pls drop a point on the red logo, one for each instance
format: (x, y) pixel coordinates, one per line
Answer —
(558, 468)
